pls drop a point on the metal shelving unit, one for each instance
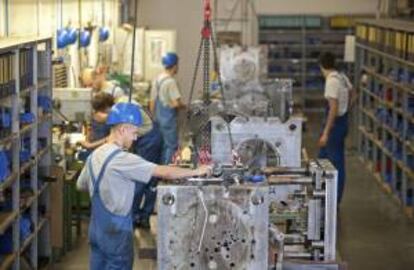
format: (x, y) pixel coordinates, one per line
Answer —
(294, 47)
(30, 72)
(385, 49)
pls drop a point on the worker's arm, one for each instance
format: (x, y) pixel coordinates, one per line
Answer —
(353, 97)
(177, 103)
(82, 182)
(333, 112)
(170, 172)
(151, 106)
(92, 145)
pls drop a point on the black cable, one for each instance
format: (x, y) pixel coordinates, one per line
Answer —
(195, 73)
(133, 50)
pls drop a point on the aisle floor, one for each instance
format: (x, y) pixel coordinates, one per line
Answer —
(374, 234)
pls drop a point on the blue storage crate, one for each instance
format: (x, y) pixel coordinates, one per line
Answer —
(388, 177)
(4, 166)
(6, 241)
(314, 69)
(409, 198)
(410, 132)
(5, 118)
(398, 153)
(410, 105)
(388, 145)
(27, 118)
(45, 102)
(275, 69)
(26, 227)
(403, 75)
(410, 161)
(393, 74)
(313, 40)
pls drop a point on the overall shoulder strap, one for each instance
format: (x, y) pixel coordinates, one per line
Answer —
(160, 82)
(96, 181)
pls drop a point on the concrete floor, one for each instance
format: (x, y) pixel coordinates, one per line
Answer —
(373, 232)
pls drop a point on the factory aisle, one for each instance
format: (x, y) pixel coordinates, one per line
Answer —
(373, 233)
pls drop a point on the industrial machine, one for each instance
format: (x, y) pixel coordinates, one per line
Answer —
(260, 209)
(242, 65)
(242, 218)
(258, 142)
(72, 104)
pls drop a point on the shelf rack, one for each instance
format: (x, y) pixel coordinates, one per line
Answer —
(294, 43)
(385, 49)
(30, 72)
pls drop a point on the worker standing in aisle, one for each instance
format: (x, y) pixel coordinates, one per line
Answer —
(110, 175)
(165, 103)
(338, 93)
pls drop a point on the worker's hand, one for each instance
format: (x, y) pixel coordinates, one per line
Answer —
(204, 171)
(323, 140)
(84, 144)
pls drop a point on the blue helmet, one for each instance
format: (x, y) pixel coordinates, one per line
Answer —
(62, 38)
(125, 113)
(169, 60)
(85, 38)
(72, 34)
(103, 34)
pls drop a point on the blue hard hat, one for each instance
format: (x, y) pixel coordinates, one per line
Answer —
(257, 178)
(170, 59)
(85, 38)
(103, 34)
(125, 113)
(62, 38)
(72, 35)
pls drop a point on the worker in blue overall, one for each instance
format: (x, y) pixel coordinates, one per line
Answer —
(101, 105)
(165, 103)
(110, 175)
(338, 93)
(149, 147)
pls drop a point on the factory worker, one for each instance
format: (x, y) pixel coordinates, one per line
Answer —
(165, 102)
(101, 84)
(110, 175)
(148, 146)
(101, 105)
(338, 93)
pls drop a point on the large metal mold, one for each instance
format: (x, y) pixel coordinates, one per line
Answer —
(212, 227)
(260, 142)
(303, 209)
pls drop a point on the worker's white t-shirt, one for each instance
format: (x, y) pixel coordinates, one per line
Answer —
(168, 91)
(338, 86)
(117, 186)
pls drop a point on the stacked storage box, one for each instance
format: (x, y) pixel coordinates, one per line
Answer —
(386, 119)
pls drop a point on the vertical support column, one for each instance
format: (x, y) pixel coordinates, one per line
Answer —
(404, 136)
(360, 53)
(44, 243)
(394, 66)
(16, 160)
(33, 154)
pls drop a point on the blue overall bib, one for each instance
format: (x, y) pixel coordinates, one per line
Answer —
(334, 150)
(99, 130)
(110, 235)
(167, 120)
(148, 147)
